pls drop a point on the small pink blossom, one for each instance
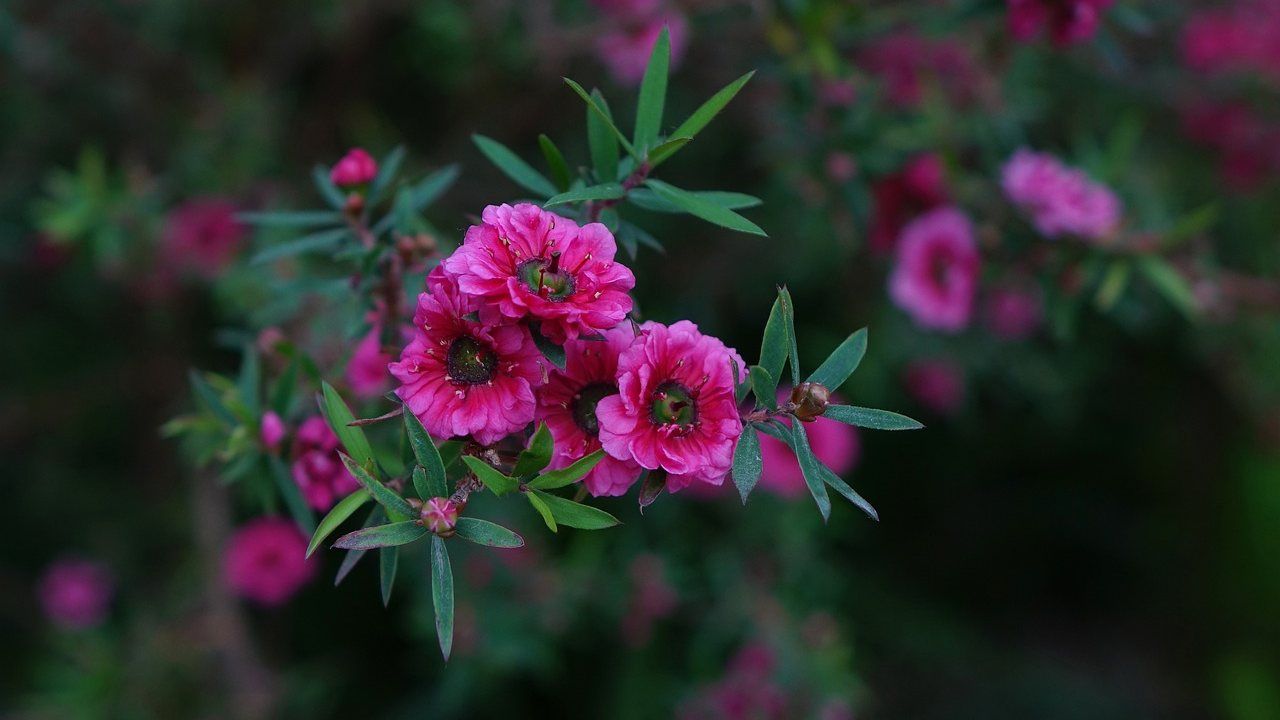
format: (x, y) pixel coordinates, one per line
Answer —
(834, 443)
(266, 561)
(936, 384)
(1068, 21)
(935, 276)
(367, 374)
(271, 430)
(316, 468)
(675, 409)
(439, 515)
(568, 405)
(921, 185)
(1060, 200)
(76, 594)
(526, 261)
(625, 50)
(202, 236)
(356, 168)
(1014, 312)
(462, 376)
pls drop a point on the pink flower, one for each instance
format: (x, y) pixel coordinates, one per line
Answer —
(746, 691)
(76, 594)
(1243, 37)
(266, 561)
(367, 371)
(906, 64)
(526, 261)
(1068, 21)
(271, 430)
(675, 409)
(568, 405)
(355, 168)
(936, 384)
(202, 236)
(834, 443)
(625, 50)
(439, 515)
(921, 185)
(936, 275)
(317, 469)
(1060, 200)
(1014, 312)
(462, 376)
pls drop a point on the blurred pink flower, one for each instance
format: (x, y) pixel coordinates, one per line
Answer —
(1014, 312)
(935, 276)
(921, 185)
(355, 168)
(1061, 200)
(747, 691)
(1239, 37)
(675, 408)
(906, 63)
(1248, 146)
(266, 562)
(316, 468)
(367, 373)
(1068, 21)
(936, 384)
(201, 236)
(271, 430)
(834, 443)
(625, 50)
(76, 594)
(627, 9)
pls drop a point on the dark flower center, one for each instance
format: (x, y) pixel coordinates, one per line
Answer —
(470, 362)
(545, 277)
(673, 404)
(584, 406)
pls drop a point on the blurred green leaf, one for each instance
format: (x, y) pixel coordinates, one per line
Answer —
(345, 508)
(442, 594)
(210, 399)
(430, 188)
(550, 350)
(292, 495)
(386, 497)
(325, 240)
(483, 532)
(326, 188)
(870, 418)
(250, 382)
(842, 361)
(428, 456)
(537, 455)
(700, 208)
(387, 171)
(282, 393)
(555, 163)
(513, 167)
(1113, 284)
(575, 515)
(1170, 283)
(388, 562)
(763, 386)
(292, 219)
(607, 191)
(649, 200)
(747, 462)
(397, 533)
(653, 93)
(493, 479)
(568, 475)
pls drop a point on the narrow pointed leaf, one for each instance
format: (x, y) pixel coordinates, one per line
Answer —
(576, 515)
(704, 209)
(349, 561)
(793, 350)
(537, 455)
(389, 535)
(568, 475)
(775, 346)
(322, 241)
(842, 487)
(709, 109)
(428, 456)
(387, 171)
(607, 191)
(326, 188)
(385, 496)
(388, 562)
(601, 140)
(605, 118)
(291, 219)
(666, 149)
(340, 417)
(870, 418)
(555, 162)
(747, 463)
(250, 381)
(483, 532)
(442, 594)
(649, 200)
(497, 482)
(764, 387)
(210, 399)
(543, 510)
(282, 394)
(345, 508)
(653, 93)
(513, 167)
(430, 188)
(292, 495)
(842, 362)
(811, 468)
(551, 351)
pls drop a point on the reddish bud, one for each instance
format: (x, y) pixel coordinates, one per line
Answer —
(439, 515)
(355, 168)
(809, 400)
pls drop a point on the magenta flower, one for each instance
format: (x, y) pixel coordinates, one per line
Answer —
(266, 561)
(317, 469)
(1013, 312)
(1241, 37)
(834, 443)
(1068, 21)
(936, 384)
(271, 430)
(568, 405)
(1060, 200)
(675, 409)
(367, 373)
(907, 63)
(936, 275)
(526, 261)
(202, 236)
(625, 50)
(356, 168)
(462, 376)
(921, 185)
(76, 594)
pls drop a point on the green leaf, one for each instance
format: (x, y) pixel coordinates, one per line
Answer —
(709, 109)
(653, 93)
(551, 351)
(1170, 283)
(325, 240)
(537, 455)
(428, 456)
(842, 361)
(338, 515)
(375, 517)
(340, 417)
(600, 139)
(651, 486)
(442, 594)
(575, 515)
(667, 149)
(870, 418)
(811, 468)
(513, 167)
(543, 510)
(211, 400)
(497, 482)
(330, 192)
(849, 493)
(607, 191)
(776, 344)
(388, 561)
(763, 386)
(483, 532)
(740, 388)
(1113, 284)
(747, 462)
(789, 317)
(292, 494)
(387, 171)
(571, 474)
(555, 162)
(250, 381)
(649, 200)
(604, 117)
(397, 533)
(291, 219)
(431, 187)
(386, 497)
(700, 208)
(282, 393)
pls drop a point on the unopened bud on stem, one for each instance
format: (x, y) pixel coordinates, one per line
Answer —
(439, 515)
(809, 400)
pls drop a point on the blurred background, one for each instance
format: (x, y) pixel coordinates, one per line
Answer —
(1089, 527)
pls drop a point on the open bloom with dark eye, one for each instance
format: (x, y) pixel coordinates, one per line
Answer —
(466, 377)
(568, 405)
(530, 262)
(675, 409)
(936, 276)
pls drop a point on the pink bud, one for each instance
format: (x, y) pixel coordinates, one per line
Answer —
(439, 515)
(271, 431)
(357, 167)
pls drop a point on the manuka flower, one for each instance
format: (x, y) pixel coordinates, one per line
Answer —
(1061, 200)
(921, 185)
(936, 276)
(317, 469)
(1068, 21)
(462, 376)
(266, 561)
(526, 261)
(367, 369)
(675, 408)
(568, 405)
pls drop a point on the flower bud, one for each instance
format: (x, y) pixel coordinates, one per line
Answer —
(271, 431)
(809, 400)
(439, 515)
(354, 205)
(355, 168)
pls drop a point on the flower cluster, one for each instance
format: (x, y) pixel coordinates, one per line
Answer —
(654, 397)
(1060, 200)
